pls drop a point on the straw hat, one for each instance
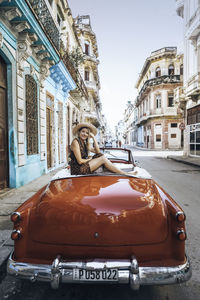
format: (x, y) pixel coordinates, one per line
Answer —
(84, 125)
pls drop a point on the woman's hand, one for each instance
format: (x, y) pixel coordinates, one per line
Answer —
(92, 135)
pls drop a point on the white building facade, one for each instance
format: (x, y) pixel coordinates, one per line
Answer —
(189, 10)
(159, 117)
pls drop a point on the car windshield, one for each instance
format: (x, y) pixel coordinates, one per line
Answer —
(116, 154)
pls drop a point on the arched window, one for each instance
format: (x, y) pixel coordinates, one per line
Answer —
(31, 115)
(171, 70)
(181, 69)
(158, 72)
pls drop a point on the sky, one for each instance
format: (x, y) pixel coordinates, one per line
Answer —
(127, 32)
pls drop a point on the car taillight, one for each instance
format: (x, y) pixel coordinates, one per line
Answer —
(15, 217)
(181, 234)
(180, 216)
(16, 234)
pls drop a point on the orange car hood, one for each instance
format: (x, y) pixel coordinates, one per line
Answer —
(99, 210)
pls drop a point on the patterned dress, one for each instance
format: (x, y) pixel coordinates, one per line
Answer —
(76, 168)
(81, 169)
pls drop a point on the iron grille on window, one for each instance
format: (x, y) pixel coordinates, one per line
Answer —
(31, 115)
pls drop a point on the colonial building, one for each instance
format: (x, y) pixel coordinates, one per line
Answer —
(89, 69)
(37, 111)
(120, 133)
(159, 117)
(190, 94)
(128, 123)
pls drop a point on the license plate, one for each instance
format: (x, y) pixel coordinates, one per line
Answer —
(95, 275)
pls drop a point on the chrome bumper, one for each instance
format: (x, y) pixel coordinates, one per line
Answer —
(128, 272)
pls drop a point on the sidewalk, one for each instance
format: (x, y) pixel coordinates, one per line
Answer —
(189, 160)
(193, 161)
(10, 199)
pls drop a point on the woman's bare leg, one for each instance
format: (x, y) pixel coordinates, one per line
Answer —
(102, 160)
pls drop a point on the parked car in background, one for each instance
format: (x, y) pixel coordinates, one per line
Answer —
(108, 144)
(101, 228)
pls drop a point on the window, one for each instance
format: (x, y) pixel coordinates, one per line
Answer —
(58, 20)
(193, 115)
(173, 125)
(195, 139)
(87, 75)
(60, 16)
(173, 135)
(171, 70)
(170, 100)
(87, 47)
(31, 115)
(158, 72)
(158, 137)
(158, 101)
(181, 69)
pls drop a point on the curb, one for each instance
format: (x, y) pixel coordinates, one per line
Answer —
(146, 149)
(185, 161)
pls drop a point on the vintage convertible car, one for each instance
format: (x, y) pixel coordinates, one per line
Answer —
(104, 227)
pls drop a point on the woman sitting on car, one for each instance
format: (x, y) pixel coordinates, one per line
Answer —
(81, 163)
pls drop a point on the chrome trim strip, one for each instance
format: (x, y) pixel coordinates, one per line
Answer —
(128, 272)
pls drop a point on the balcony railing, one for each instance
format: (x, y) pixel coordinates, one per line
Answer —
(91, 85)
(45, 18)
(165, 79)
(75, 75)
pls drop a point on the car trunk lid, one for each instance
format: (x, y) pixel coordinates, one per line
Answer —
(99, 210)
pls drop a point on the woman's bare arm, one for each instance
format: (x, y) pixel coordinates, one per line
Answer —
(76, 149)
(96, 146)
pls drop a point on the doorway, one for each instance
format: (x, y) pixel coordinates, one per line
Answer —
(3, 126)
(49, 130)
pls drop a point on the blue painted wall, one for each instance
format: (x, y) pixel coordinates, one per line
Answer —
(34, 166)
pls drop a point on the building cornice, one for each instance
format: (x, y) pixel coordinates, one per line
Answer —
(166, 52)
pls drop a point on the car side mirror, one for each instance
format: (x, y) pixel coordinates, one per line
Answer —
(136, 163)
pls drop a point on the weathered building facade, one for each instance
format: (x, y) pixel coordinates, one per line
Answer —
(128, 123)
(120, 133)
(190, 94)
(89, 68)
(37, 110)
(159, 117)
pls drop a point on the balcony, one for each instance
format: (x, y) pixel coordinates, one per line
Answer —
(179, 95)
(75, 75)
(91, 85)
(27, 19)
(157, 112)
(91, 58)
(45, 18)
(92, 117)
(165, 79)
(192, 87)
